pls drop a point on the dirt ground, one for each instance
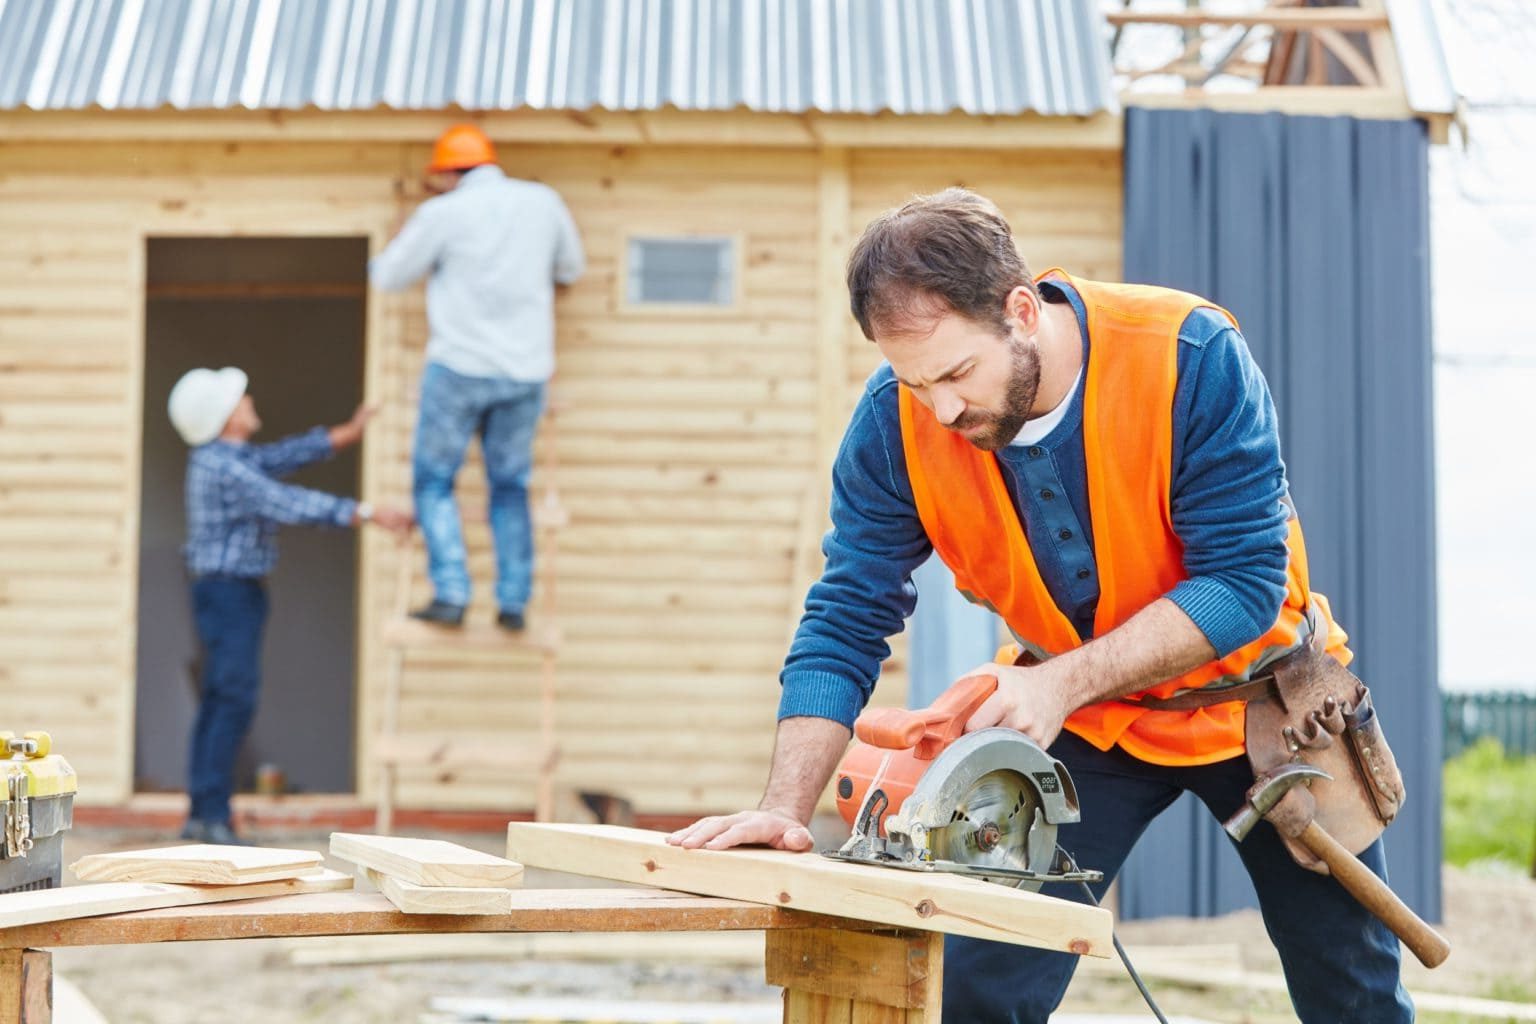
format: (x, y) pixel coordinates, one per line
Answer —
(1489, 920)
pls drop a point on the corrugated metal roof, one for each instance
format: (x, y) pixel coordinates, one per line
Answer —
(908, 56)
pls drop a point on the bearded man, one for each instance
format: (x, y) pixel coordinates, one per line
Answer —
(1099, 464)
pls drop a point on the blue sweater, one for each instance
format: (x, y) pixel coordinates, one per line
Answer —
(1227, 504)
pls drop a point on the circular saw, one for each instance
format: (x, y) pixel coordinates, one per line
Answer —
(923, 795)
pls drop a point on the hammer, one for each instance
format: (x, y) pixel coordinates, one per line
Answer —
(1265, 795)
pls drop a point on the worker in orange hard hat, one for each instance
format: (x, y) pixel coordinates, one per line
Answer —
(493, 249)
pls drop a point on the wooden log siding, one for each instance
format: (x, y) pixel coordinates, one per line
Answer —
(691, 454)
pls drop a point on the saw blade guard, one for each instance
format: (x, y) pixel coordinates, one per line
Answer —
(992, 799)
(956, 772)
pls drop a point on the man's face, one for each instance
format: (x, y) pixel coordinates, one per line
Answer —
(977, 382)
(244, 422)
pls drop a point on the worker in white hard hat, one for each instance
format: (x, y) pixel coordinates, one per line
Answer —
(235, 503)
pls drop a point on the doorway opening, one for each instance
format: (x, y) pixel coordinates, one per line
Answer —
(290, 312)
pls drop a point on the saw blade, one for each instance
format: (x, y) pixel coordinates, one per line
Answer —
(990, 825)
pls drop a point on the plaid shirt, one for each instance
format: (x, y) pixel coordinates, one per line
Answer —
(235, 503)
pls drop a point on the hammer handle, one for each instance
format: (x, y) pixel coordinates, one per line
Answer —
(1426, 943)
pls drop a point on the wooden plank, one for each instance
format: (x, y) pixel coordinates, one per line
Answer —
(863, 967)
(944, 131)
(480, 636)
(198, 864)
(1347, 19)
(602, 1011)
(426, 861)
(921, 901)
(26, 986)
(75, 901)
(448, 899)
(72, 1006)
(734, 949)
(359, 913)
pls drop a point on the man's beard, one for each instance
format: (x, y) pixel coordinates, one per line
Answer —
(1003, 426)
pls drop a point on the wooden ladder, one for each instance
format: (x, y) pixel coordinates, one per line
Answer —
(542, 638)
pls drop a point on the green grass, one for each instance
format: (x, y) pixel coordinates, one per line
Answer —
(1490, 808)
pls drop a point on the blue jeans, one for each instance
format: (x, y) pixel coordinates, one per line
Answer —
(1341, 963)
(505, 414)
(229, 613)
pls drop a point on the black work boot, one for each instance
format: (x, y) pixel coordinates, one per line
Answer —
(441, 613)
(510, 621)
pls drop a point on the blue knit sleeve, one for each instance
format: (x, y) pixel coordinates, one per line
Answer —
(865, 593)
(1228, 487)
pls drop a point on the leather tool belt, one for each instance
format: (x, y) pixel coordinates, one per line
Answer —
(1307, 707)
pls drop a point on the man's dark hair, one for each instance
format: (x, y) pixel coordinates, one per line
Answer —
(948, 252)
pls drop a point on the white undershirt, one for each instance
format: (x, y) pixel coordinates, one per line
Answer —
(1038, 429)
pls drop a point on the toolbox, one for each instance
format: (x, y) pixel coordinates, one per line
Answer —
(37, 806)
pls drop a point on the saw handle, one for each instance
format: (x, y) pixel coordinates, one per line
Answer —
(1426, 943)
(930, 730)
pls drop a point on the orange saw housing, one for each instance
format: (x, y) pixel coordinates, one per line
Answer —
(896, 746)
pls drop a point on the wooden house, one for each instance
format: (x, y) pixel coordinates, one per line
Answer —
(187, 184)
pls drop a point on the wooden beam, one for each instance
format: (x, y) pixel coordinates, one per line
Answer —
(906, 899)
(76, 901)
(359, 913)
(1100, 131)
(834, 231)
(1344, 51)
(198, 865)
(1348, 19)
(834, 239)
(426, 861)
(26, 986)
(883, 969)
(1326, 100)
(623, 128)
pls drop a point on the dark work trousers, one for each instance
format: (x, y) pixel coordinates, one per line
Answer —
(229, 612)
(1341, 963)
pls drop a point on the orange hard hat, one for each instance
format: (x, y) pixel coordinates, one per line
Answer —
(459, 148)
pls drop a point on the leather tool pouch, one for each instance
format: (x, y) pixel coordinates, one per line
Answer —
(1320, 713)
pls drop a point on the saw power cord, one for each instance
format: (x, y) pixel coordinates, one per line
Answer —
(1130, 968)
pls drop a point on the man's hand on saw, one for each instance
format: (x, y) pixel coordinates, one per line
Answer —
(748, 828)
(1026, 699)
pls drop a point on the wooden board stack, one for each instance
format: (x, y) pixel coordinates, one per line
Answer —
(429, 876)
(173, 877)
(198, 865)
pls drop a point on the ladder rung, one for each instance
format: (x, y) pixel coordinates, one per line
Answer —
(477, 636)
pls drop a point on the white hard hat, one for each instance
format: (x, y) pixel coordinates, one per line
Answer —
(201, 402)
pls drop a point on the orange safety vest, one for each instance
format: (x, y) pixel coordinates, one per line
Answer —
(1128, 445)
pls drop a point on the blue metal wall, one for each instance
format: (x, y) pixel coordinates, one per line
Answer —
(1314, 232)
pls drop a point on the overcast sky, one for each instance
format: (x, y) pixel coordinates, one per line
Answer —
(1483, 207)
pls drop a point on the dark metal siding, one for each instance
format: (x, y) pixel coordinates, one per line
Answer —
(1314, 233)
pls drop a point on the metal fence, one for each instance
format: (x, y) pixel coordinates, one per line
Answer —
(1507, 716)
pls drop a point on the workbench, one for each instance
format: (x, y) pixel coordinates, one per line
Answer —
(831, 968)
